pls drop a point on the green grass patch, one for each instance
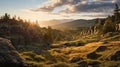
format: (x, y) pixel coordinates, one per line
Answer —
(31, 56)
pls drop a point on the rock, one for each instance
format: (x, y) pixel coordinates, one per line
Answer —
(75, 59)
(94, 64)
(101, 48)
(105, 42)
(66, 44)
(73, 44)
(9, 57)
(79, 61)
(80, 44)
(82, 64)
(68, 52)
(115, 56)
(57, 50)
(93, 55)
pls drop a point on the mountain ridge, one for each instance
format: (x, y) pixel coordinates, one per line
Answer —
(75, 24)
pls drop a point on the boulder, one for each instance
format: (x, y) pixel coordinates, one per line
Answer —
(79, 61)
(9, 57)
(94, 64)
(73, 44)
(101, 48)
(115, 56)
(67, 44)
(105, 42)
(80, 44)
(75, 59)
(57, 50)
(82, 64)
(93, 55)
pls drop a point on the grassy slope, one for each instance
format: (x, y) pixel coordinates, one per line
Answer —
(90, 47)
(61, 55)
(96, 41)
(82, 51)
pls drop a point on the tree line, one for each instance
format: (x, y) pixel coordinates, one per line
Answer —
(22, 32)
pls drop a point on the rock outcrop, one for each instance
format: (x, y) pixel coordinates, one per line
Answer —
(82, 64)
(115, 56)
(101, 48)
(75, 59)
(94, 64)
(80, 61)
(93, 55)
(73, 44)
(9, 57)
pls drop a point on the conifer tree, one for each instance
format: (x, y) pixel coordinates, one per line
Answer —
(109, 26)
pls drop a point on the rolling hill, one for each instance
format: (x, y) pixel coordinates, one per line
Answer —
(75, 24)
(54, 22)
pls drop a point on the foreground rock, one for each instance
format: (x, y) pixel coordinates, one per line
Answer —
(101, 48)
(75, 59)
(93, 55)
(9, 57)
(94, 64)
(115, 56)
(73, 44)
(82, 64)
(79, 61)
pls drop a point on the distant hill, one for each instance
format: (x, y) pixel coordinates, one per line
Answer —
(54, 22)
(75, 24)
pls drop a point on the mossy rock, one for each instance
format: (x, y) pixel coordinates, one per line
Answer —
(93, 55)
(101, 48)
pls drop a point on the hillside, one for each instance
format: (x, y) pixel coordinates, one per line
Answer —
(74, 24)
(53, 22)
(98, 54)
(89, 51)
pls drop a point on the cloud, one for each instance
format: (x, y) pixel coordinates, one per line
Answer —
(43, 9)
(78, 6)
(90, 7)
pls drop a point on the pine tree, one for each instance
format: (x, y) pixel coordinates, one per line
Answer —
(116, 12)
(109, 26)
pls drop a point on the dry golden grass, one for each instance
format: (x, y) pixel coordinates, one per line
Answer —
(82, 51)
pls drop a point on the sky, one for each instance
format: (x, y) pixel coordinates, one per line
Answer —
(42, 10)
